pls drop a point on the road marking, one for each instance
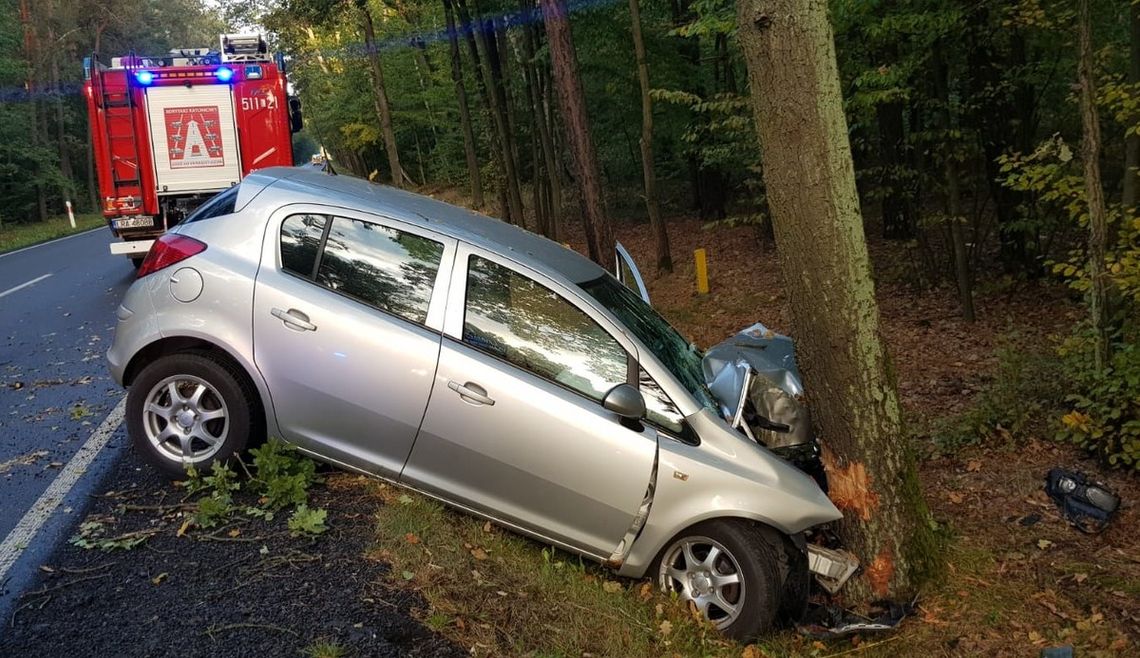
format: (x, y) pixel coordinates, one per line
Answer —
(44, 244)
(25, 531)
(34, 281)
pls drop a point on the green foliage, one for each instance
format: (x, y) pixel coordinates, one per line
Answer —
(307, 522)
(283, 476)
(218, 506)
(93, 535)
(1104, 413)
(1028, 386)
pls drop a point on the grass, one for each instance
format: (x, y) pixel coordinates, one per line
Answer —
(499, 594)
(17, 236)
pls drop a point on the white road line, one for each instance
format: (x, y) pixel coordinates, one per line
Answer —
(25, 531)
(44, 244)
(34, 281)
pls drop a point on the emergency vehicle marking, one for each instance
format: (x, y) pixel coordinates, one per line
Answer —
(193, 138)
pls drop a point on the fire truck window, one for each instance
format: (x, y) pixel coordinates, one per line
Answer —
(221, 204)
(300, 241)
(385, 268)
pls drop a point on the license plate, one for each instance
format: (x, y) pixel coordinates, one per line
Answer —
(134, 222)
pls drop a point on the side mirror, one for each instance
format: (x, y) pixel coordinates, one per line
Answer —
(626, 401)
(296, 122)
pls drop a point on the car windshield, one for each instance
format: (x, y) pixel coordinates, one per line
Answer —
(682, 358)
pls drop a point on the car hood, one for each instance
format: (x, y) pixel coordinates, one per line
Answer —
(770, 355)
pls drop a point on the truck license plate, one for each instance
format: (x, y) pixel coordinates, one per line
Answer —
(134, 222)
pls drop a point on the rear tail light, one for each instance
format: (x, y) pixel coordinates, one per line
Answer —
(167, 250)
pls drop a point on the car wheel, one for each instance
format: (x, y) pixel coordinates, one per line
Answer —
(189, 410)
(727, 569)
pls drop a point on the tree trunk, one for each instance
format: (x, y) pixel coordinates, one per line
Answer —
(1004, 124)
(1094, 192)
(380, 95)
(548, 226)
(554, 157)
(473, 172)
(599, 234)
(60, 124)
(656, 225)
(953, 188)
(810, 179)
(510, 204)
(1132, 142)
(496, 54)
(898, 218)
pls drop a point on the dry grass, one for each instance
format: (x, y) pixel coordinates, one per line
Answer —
(499, 594)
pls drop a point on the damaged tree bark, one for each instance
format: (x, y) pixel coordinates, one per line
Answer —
(798, 107)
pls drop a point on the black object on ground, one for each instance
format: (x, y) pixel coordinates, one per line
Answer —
(1088, 505)
(832, 621)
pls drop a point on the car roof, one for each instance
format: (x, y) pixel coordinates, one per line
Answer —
(474, 228)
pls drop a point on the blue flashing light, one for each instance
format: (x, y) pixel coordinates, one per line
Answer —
(224, 74)
(144, 77)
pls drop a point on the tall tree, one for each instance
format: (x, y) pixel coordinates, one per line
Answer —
(571, 98)
(656, 225)
(380, 93)
(810, 179)
(1094, 191)
(473, 172)
(1132, 142)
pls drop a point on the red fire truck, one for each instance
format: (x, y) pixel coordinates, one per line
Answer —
(171, 131)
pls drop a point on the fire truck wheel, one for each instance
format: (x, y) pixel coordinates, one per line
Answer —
(189, 409)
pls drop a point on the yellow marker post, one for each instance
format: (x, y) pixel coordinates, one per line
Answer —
(702, 272)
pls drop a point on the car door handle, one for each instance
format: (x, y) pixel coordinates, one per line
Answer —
(471, 392)
(294, 318)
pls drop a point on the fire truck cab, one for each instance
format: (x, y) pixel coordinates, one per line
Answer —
(171, 131)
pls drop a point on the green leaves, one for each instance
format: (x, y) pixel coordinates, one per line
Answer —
(307, 522)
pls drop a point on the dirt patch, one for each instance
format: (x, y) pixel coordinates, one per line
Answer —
(250, 589)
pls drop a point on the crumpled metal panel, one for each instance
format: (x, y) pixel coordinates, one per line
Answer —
(775, 387)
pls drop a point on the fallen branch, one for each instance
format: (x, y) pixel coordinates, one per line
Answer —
(865, 645)
(45, 590)
(231, 627)
(89, 569)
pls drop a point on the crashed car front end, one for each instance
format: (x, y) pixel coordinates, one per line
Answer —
(754, 377)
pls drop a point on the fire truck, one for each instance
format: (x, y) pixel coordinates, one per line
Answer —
(171, 131)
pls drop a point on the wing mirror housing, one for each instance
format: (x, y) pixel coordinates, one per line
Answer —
(625, 401)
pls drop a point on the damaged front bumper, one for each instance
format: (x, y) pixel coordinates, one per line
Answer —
(832, 567)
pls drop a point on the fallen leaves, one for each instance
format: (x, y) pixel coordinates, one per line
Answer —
(665, 628)
(411, 538)
(612, 586)
(479, 554)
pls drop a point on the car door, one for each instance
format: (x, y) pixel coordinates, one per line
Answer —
(515, 427)
(626, 271)
(347, 315)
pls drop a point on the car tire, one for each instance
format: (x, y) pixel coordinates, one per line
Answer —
(743, 610)
(190, 409)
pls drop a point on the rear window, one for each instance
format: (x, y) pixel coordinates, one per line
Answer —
(381, 266)
(222, 203)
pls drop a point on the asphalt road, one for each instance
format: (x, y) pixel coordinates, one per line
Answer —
(57, 317)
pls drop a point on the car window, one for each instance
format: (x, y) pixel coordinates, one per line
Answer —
(659, 409)
(533, 327)
(383, 267)
(220, 204)
(301, 242)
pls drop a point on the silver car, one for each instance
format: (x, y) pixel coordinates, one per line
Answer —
(469, 360)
